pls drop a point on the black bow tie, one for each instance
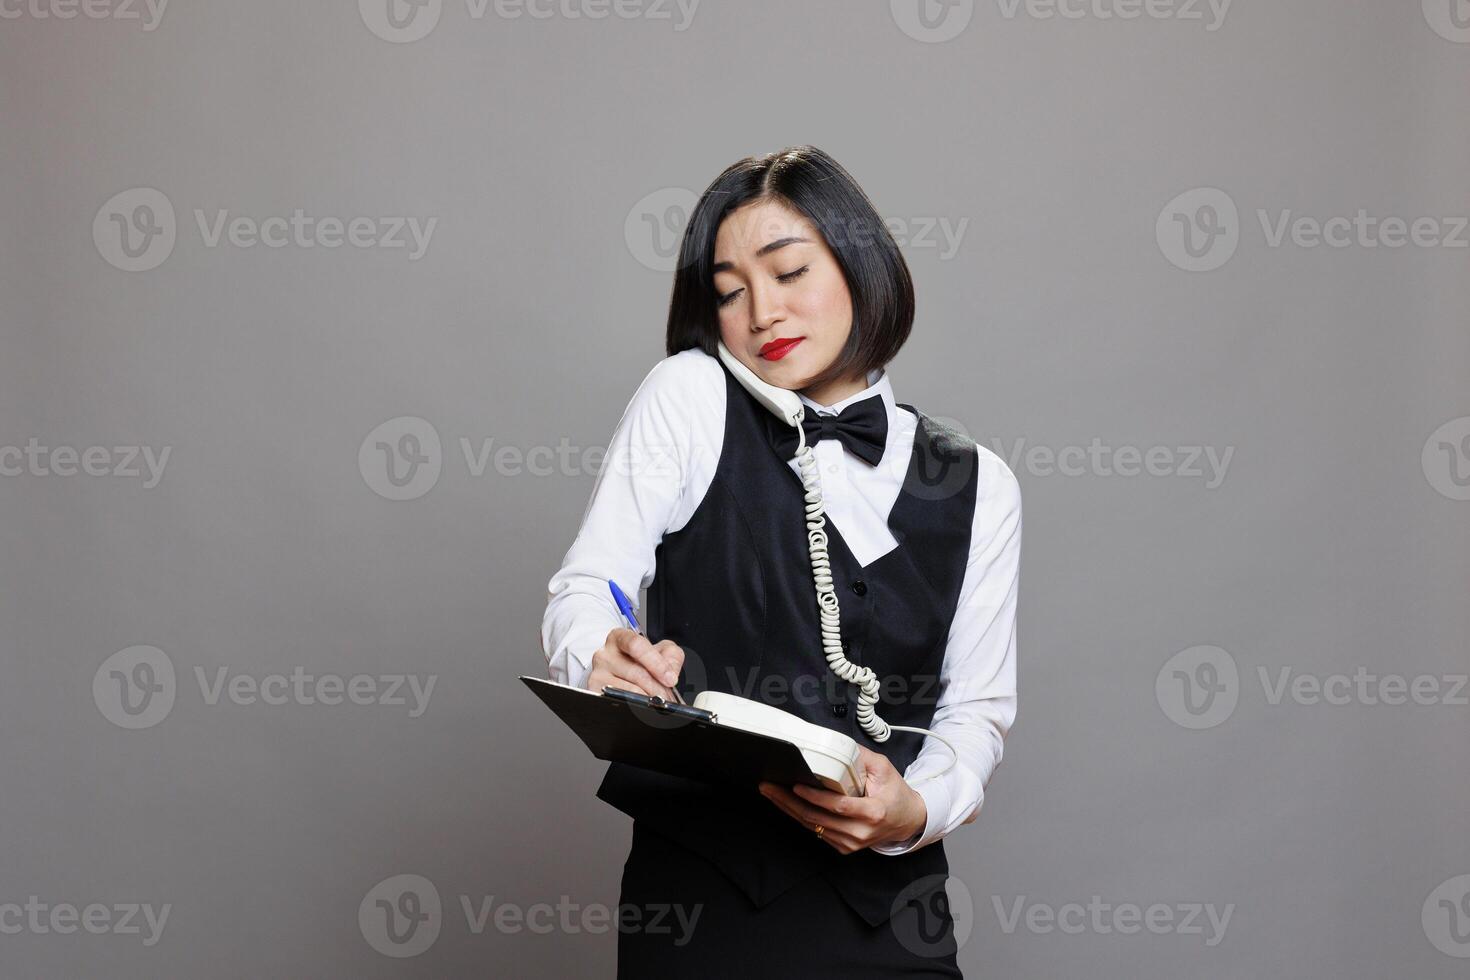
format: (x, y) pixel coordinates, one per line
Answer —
(862, 427)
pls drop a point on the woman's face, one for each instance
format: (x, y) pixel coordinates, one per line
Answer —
(776, 280)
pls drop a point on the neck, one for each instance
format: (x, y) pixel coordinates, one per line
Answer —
(834, 392)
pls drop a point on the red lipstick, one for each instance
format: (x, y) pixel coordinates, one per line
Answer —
(780, 347)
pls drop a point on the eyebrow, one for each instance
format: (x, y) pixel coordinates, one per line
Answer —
(766, 249)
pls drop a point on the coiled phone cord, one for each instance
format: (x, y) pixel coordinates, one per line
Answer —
(863, 677)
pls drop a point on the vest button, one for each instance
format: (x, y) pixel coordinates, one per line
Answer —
(860, 587)
(839, 710)
(844, 646)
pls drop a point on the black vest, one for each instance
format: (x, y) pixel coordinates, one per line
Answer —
(733, 588)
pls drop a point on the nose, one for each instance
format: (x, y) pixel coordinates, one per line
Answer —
(765, 308)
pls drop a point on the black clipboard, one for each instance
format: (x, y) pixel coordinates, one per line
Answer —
(674, 739)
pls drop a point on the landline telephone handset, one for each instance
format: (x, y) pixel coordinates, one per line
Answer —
(832, 755)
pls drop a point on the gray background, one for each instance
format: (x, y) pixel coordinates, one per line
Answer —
(1333, 544)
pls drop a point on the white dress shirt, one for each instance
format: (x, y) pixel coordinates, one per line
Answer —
(659, 465)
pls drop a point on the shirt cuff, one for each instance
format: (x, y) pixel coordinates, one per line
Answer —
(937, 802)
(576, 662)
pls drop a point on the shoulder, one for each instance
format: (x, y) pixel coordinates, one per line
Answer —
(997, 517)
(997, 491)
(690, 371)
(682, 387)
(997, 486)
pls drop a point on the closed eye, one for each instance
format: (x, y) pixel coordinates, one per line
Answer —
(791, 276)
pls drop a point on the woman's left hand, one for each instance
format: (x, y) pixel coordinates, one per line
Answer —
(890, 810)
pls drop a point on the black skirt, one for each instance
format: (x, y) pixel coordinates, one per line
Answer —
(678, 915)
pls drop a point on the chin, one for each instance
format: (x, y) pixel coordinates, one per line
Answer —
(782, 373)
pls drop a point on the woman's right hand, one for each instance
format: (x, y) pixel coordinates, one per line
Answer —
(631, 661)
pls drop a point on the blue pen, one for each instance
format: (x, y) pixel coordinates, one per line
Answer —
(626, 608)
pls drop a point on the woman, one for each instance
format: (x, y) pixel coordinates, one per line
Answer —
(701, 501)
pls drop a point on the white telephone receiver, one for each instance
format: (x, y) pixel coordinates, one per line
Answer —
(832, 756)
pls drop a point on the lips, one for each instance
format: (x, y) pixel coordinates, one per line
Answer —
(780, 347)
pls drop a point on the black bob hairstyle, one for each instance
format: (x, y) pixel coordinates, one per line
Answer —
(813, 184)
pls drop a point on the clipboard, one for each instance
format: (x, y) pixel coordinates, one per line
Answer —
(673, 739)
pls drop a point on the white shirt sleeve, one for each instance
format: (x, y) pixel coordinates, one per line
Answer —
(640, 493)
(977, 682)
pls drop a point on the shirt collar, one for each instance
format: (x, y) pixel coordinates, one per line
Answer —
(881, 385)
(878, 384)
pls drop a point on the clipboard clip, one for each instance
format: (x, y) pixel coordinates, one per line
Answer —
(658, 704)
